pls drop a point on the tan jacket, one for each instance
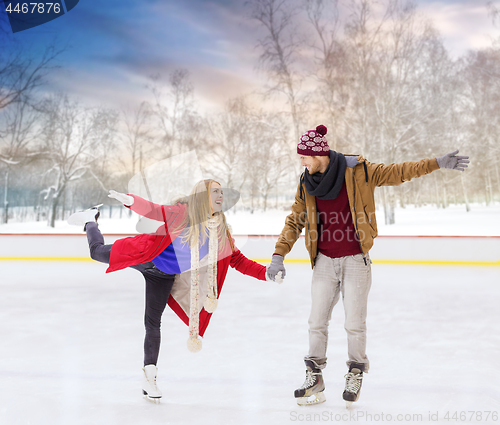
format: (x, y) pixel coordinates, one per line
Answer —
(361, 182)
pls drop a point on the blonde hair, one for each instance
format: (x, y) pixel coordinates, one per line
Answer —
(199, 212)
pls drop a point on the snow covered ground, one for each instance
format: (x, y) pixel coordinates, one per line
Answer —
(71, 350)
(429, 220)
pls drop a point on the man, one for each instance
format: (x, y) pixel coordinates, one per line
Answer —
(335, 203)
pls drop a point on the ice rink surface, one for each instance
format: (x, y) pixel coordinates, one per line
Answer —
(71, 349)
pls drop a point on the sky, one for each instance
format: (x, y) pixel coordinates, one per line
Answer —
(112, 49)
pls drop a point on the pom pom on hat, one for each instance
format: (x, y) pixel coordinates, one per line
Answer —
(321, 129)
(313, 143)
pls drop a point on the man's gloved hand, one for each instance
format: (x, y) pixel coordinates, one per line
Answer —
(351, 161)
(126, 200)
(276, 270)
(277, 279)
(453, 161)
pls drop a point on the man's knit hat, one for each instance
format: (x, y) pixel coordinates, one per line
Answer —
(313, 143)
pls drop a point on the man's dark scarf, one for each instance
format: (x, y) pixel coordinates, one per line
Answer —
(327, 185)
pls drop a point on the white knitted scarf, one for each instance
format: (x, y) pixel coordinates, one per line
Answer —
(210, 303)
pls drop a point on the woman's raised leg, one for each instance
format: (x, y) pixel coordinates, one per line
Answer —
(98, 250)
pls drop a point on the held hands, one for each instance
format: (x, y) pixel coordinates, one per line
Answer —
(276, 270)
(126, 200)
(278, 278)
(453, 161)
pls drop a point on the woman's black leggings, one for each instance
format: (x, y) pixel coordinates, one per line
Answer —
(158, 287)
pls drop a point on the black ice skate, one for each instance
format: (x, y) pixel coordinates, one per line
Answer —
(311, 392)
(81, 218)
(353, 381)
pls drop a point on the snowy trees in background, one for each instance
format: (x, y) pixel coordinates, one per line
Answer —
(375, 72)
(331, 93)
(227, 143)
(482, 81)
(136, 138)
(177, 124)
(248, 149)
(18, 143)
(72, 139)
(22, 74)
(382, 78)
(279, 49)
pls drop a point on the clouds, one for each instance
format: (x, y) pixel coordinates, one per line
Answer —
(114, 49)
(114, 46)
(463, 24)
(208, 38)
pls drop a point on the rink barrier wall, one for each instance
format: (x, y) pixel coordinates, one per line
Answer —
(409, 250)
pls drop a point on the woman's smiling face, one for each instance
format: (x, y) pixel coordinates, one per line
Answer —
(216, 197)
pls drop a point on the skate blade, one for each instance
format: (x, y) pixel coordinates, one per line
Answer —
(155, 400)
(152, 399)
(316, 398)
(348, 404)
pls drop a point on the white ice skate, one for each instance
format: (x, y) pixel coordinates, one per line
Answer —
(149, 389)
(311, 392)
(81, 218)
(353, 381)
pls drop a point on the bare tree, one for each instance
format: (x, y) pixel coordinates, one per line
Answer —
(384, 81)
(482, 76)
(247, 148)
(136, 137)
(271, 168)
(404, 101)
(330, 71)
(71, 136)
(227, 144)
(173, 108)
(18, 140)
(22, 72)
(279, 51)
(493, 12)
(105, 150)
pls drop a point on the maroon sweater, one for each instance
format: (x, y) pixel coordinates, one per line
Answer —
(337, 236)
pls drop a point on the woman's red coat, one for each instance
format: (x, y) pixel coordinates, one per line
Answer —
(144, 248)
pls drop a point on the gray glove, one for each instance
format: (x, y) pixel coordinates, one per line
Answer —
(351, 161)
(277, 279)
(126, 200)
(276, 267)
(453, 162)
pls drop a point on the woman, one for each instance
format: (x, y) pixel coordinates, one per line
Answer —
(184, 263)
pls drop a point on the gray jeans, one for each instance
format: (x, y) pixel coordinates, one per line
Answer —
(352, 278)
(158, 287)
